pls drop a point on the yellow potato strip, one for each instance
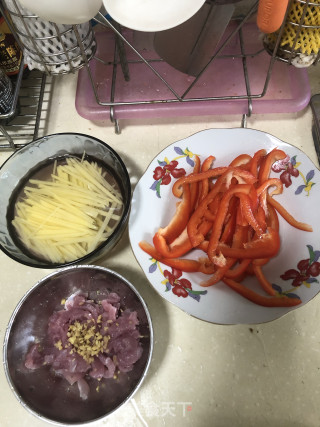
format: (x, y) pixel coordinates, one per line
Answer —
(68, 216)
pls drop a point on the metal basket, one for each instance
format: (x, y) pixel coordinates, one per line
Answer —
(48, 47)
(298, 40)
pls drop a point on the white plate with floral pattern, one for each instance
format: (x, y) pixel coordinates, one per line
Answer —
(153, 205)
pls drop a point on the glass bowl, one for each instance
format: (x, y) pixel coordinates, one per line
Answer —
(49, 396)
(40, 151)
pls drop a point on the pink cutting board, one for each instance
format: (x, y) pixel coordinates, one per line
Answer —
(288, 89)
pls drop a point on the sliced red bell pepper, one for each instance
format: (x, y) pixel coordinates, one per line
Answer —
(218, 274)
(180, 219)
(271, 182)
(266, 285)
(243, 160)
(230, 224)
(180, 246)
(272, 219)
(194, 187)
(196, 237)
(239, 270)
(266, 301)
(266, 246)
(211, 173)
(204, 184)
(188, 265)
(248, 214)
(289, 218)
(256, 161)
(261, 218)
(221, 214)
(211, 212)
(262, 191)
(267, 163)
(238, 239)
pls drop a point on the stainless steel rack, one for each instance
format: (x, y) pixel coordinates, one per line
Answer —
(276, 51)
(120, 62)
(32, 96)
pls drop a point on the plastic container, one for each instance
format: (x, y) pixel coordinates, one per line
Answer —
(288, 89)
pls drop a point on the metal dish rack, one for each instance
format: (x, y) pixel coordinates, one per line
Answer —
(27, 115)
(120, 61)
(276, 53)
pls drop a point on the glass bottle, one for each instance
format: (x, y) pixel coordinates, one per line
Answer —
(10, 52)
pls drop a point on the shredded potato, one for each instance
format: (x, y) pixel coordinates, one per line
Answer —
(67, 217)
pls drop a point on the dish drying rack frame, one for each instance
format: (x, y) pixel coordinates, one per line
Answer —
(277, 53)
(120, 59)
(18, 127)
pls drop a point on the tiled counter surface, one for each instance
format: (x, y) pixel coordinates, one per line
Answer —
(201, 374)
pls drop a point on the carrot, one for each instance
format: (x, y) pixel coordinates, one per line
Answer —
(271, 14)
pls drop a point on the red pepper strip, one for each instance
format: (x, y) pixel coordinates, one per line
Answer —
(262, 191)
(275, 301)
(289, 218)
(268, 161)
(272, 218)
(218, 274)
(211, 212)
(194, 187)
(180, 219)
(266, 246)
(205, 183)
(238, 271)
(241, 160)
(256, 160)
(211, 173)
(261, 218)
(203, 246)
(248, 214)
(266, 285)
(241, 221)
(254, 199)
(230, 225)
(202, 212)
(271, 182)
(179, 246)
(221, 214)
(182, 264)
(271, 221)
(237, 242)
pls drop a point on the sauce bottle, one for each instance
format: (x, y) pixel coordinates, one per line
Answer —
(10, 52)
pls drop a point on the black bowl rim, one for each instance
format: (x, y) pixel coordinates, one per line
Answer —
(16, 311)
(121, 223)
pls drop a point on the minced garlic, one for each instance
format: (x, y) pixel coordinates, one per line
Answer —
(58, 344)
(86, 340)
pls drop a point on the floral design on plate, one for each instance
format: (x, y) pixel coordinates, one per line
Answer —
(306, 273)
(289, 169)
(168, 169)
(174, 282)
